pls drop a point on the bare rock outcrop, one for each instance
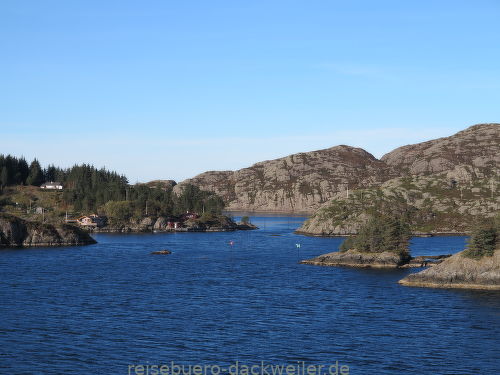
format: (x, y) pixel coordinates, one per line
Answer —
(477, 146)
(296, 183)
(160, 223)
(16, 232)
(357, 259)
(162, 184)
(161, 252)
(461, 272)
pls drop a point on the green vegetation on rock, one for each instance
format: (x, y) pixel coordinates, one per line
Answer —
(483, 241)
(381, 233)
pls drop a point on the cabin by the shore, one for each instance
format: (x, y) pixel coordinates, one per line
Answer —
(51, 186)
(177, 222)
(91, 221)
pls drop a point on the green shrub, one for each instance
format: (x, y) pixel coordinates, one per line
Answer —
(119, 210)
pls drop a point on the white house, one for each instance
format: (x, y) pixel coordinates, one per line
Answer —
(93, 220)
(52, 186)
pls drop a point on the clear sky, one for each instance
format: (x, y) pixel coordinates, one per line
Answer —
(169, 89)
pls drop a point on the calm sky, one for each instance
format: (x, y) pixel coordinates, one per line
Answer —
(169, 89)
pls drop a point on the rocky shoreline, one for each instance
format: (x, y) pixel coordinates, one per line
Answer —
(131, 229)
(386, 259)
(460, 272)
(414, 234)
(17, 232)
(159, 224)
(444, 271)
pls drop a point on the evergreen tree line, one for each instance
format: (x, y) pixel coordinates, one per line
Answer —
(381, 233)
(88, 189)
(14, 171)
(17, 171)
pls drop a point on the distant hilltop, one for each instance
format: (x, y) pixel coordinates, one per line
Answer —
(304, 182)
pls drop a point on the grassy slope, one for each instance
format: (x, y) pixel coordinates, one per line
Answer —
(51, 201)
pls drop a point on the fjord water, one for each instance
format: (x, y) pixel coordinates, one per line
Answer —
(101, 308)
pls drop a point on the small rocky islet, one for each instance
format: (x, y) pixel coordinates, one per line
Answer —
(161, 252)
(385, 259)
(443, 271)
(477, 267)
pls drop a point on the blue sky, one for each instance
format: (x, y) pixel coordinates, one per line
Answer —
(169, 89)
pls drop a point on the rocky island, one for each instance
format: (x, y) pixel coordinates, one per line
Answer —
(16, 232)
(359, 259)
(384, 259)
(477, 267)
(382, 242)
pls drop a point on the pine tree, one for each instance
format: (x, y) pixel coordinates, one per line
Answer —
(483, 241)
(380, 233)
(36, 175)
(50, 173)
(4, 177)
(24, 171)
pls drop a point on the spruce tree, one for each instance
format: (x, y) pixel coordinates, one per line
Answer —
(23, 170)
(4, 177)
(381, 233)
(35, 176)
(483, 241)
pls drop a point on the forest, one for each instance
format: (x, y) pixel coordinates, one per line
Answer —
(88, 189)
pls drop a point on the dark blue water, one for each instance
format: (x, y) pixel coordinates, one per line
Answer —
(101, 308)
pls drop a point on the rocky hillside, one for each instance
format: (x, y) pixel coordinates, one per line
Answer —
(433, 204)
(296, 183)
(477, 147)
(18, 232)
(445, 186)
(304, 182)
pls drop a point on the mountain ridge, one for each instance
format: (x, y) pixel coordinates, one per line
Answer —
(304, 181)
(298, 182)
